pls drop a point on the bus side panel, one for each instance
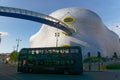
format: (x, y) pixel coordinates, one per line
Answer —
(43, 54)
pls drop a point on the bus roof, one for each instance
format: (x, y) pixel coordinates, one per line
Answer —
(64, 47)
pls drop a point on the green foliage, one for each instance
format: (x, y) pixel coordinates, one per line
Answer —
(14, 56)
(94, 59)
(89, 54)
(115, 55)
(113, 66)
(98, 54)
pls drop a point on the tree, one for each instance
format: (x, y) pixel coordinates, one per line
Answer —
(115, 55)
(89, 54)
(99, 61)
(98, 54)
(14, 56)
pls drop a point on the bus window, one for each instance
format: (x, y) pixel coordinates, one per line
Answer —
(46, 51)
(24, 51)
(24, 62)
(37, 51)
(54, 51)
(29, 51)
(41, 51)
(33, 51)
(57, 51)
(66, 50)
(61, 51)
(49, 51)
(74, 51)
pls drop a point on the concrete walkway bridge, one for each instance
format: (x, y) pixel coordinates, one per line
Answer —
(35, 16)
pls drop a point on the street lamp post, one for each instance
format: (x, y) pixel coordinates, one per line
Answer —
(57, 34)
(18, 40)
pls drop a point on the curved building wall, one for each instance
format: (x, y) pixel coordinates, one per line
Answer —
(90, 33)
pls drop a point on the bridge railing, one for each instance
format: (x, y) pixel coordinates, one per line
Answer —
(35, 14)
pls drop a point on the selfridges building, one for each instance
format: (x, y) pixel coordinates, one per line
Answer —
(89, 32)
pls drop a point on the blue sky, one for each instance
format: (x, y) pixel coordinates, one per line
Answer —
(108, 10)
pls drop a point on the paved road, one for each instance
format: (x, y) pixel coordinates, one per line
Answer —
(8, 72)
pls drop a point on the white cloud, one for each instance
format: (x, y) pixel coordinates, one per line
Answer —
(4, 33)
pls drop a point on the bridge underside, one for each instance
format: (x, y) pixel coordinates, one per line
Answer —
(34, 16)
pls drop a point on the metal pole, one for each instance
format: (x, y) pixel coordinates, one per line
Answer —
(57, 34)
(18, 40)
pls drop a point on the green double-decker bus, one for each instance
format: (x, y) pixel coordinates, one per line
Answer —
(67, 60)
